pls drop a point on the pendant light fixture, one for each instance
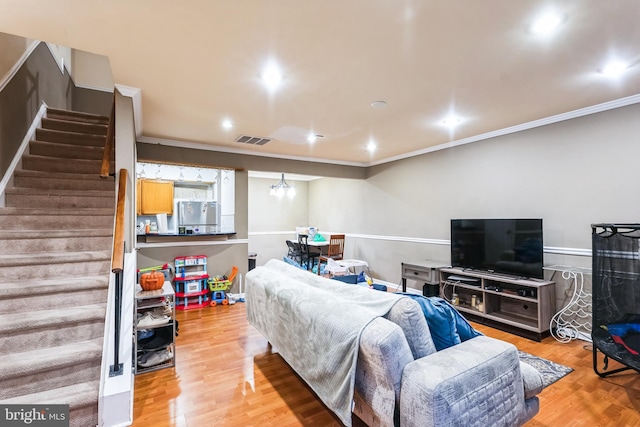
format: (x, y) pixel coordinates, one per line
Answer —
(281, 188)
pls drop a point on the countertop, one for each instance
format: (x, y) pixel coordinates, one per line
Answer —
(156, 238)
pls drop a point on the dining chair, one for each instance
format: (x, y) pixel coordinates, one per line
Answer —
(294, 251)
(309, 254)
(335, 250)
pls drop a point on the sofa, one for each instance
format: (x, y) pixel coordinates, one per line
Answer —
(370, 353)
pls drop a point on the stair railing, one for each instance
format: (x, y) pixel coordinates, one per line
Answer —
(117, 267)
(110, 142)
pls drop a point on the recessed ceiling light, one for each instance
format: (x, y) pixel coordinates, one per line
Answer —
(371, 146)
(614, 68)
(227, 124)
(378, 104)
(272, 76)
(451, 121)
(546, 23)
(313, 137)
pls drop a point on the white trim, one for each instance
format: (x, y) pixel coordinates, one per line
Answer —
(547, 249)
(16, 67)
(98, 88)
(568, 251)
(401, 239)
(270, 233)
(136, 100)
(185, 244)
(598, 108)
(16, 163)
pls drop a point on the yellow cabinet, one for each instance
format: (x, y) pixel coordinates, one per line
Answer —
(154, 197)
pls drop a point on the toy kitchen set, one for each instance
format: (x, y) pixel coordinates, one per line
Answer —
(172, 205)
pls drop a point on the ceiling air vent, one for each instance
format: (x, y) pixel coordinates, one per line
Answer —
(253, 140)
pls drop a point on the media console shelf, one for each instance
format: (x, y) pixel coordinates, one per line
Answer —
(521, 306)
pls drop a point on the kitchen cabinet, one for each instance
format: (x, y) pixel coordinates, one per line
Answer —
(154, 197)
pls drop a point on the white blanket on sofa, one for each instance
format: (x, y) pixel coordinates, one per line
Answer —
(316, 329)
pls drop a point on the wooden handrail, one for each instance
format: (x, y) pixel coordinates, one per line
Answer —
(117, 259)
(110, 142)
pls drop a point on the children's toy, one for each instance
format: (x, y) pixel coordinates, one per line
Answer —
(191, 282)
(218, 286)
(153, 278)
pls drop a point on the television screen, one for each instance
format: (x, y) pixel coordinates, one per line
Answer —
(512, 246)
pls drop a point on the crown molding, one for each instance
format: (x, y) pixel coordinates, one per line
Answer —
(231, 150)
(598, 108)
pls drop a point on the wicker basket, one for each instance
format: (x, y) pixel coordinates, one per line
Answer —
(152, 280)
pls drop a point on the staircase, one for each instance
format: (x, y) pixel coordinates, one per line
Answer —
(55, 251)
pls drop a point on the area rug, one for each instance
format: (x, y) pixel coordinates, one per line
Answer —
(550, 371)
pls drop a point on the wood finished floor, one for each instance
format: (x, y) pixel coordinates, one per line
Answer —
(226, 375)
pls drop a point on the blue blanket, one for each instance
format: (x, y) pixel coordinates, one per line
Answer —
(446, 324)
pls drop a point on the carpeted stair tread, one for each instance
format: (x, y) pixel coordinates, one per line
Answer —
(59, 240)
(63, 175)
(50, 318)
(57, 212)
(51, 358)
(67, 151)
(13, 289)
(42, 219)
(66, 125)
(21, 260)
(58, 164)
(53, 234)
(78, 116)
(60, 193)
(66, 137)
(73, 395)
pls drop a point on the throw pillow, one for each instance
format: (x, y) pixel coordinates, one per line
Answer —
(446, 324)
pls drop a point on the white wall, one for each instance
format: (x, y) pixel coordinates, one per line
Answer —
(571, 174)
(13, 48)
(272, 219)
(91, 71)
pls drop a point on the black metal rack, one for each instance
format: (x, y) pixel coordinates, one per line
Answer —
(616, 291)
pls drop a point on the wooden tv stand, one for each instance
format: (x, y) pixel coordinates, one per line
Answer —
(516, 305)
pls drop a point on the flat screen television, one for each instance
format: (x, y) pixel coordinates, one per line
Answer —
(511, 246)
